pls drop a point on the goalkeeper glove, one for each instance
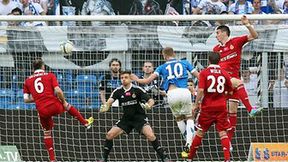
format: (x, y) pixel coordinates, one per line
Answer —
(104, 108)
(145, 106)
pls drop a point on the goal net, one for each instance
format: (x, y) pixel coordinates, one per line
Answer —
(99, 39)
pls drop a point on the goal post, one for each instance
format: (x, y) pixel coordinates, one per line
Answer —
(134, 40)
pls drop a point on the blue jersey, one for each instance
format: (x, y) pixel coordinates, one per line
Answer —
(175, 72)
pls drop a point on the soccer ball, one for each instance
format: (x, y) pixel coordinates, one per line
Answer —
(66, 47)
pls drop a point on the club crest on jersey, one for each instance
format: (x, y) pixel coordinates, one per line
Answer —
(133, 95)
(128, 94)
(231, 47)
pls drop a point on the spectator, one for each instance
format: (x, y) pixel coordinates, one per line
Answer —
(145, 7)
(6, 6)
(241, 7)
(210, 7)
(269, 7)
(153, 88)
(16, 11)
(31, 8)
(110, 81)
(280, 91)
(43, 4)
(250, 85)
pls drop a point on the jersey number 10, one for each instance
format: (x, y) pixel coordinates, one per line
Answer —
(177, 71)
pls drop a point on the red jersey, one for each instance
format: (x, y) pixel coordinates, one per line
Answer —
(41, 86)
(215, 81)
(230, 54)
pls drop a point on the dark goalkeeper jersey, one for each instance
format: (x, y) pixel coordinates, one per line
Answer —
(130, 100)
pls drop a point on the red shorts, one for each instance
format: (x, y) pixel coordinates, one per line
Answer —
(206, 119)
(46, 113)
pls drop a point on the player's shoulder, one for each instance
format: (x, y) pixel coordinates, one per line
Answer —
(137, 87)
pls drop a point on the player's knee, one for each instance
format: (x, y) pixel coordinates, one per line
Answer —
(233, 105)
(236, 82)
(110, 135)
(200, 133)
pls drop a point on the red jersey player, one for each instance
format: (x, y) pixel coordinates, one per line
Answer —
(40, 88)
(214, 82)
(230, 50)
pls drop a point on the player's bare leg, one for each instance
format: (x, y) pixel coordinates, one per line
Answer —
(149, 134)
(189, 132)
(243, 96)
(183, 127)
(111, 134)
(48, 141)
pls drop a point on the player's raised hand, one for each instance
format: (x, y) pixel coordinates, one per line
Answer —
(146, 106)
(104, 108)
(134, 77)
(245, 20)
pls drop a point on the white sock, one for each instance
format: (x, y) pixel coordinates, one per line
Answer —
(182, 126)
(189, 131)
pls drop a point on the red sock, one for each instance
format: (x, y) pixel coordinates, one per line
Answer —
(74, 112)
(195, 144)
(242, 94)
(233, 122)
(49, 146)
(225, 142)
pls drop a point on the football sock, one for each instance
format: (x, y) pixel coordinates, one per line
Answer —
(189, 131)
(195, 144)
(158, 149)
(182, 127)
(225, 142)
(48, 141)
(242, 94)
(107, 148)
(75, 113)
(233, 122)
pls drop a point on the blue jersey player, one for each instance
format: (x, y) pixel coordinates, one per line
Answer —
(175, 77)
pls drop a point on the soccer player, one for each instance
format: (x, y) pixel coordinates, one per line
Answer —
(41, 88)
(175, 77)
(214, 82)
(230, 59)
(134, 117)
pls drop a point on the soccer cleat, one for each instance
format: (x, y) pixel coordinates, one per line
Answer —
(185, 152)
(255, 111)
(90, 121)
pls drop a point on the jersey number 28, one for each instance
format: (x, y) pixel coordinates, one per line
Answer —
(220, 84)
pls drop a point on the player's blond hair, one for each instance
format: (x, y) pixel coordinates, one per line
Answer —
(168, 51)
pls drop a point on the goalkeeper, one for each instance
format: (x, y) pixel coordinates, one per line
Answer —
(134, 117)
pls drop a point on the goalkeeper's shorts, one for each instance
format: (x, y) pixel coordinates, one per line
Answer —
(180, 101)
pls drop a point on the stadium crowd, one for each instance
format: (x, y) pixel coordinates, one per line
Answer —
(138, 7)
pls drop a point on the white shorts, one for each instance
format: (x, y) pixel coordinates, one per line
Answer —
(180, 101)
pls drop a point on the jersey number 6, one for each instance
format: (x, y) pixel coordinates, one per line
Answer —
(38, 85)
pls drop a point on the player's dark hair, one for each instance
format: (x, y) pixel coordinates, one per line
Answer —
(116, 60)
(37, 64)
(126, 72)
(168, 51)
(214, 58)
(17, 10)
(224, 28)
(190, 80)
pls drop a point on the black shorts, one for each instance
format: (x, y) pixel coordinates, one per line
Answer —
(137, 123)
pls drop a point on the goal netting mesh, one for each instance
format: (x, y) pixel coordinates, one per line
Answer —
(134, 42)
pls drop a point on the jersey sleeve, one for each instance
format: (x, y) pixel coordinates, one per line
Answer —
(115, 94)
(240, 41)
(143, 95)
(158, 70)
(102, 84)
(54, 80)
(189, 66)
(202, 80)
(25, 88)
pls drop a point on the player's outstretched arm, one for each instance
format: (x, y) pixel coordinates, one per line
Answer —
(144, 81)
(253, 34)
